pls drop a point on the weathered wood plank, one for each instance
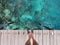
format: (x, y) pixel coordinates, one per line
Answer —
(19, 37)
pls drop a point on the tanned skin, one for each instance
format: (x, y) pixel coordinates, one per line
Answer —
(30, 35)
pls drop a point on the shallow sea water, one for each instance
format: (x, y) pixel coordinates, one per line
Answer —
(29, 14)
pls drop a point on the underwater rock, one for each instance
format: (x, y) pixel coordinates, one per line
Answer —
(6, 11)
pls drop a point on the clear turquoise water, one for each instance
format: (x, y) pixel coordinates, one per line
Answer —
(30, 14)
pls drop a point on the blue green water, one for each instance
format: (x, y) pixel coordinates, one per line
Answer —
(29, 14)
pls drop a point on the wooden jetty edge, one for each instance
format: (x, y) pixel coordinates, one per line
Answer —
(20, 37)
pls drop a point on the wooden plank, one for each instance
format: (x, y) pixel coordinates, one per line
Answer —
(19, 37)
(55, 37)
(0, 37)
(51, 37)
(12, 38)
(45, 37)
(58, 37)
(38, 36)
